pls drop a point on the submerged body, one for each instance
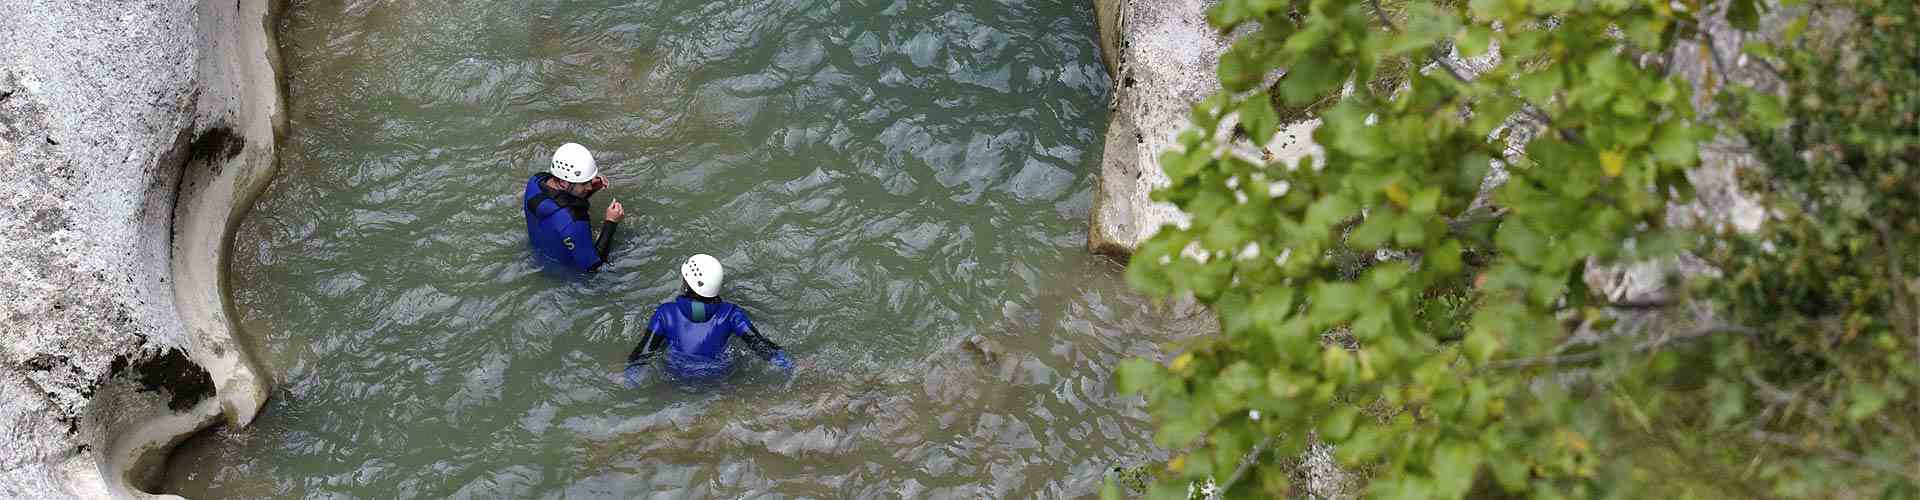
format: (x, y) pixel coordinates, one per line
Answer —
(694, 332)
(558, 227)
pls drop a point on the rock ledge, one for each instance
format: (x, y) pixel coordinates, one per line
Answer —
(133, 136)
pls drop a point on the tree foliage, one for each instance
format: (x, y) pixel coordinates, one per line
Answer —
(1443, 371)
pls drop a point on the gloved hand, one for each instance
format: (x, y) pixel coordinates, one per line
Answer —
(780, 360)
(637, 375)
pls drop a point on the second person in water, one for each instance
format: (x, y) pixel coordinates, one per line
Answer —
(559, 226)
(695, 328)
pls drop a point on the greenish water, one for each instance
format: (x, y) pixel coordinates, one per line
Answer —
(884, 182)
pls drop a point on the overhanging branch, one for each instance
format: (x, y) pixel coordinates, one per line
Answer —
(1567, 359)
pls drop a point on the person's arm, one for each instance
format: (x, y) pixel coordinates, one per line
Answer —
(650, 344)
(760, 344)
(603, 246)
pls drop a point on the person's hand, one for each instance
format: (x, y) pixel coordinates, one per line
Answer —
(615, 212)
(780, 360)
(636, 375)
(599, 182)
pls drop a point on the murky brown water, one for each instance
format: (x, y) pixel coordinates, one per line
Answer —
(885, 181)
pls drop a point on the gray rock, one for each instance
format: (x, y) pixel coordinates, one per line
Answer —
(1164, 63)
(132, 137)
(1161, 56)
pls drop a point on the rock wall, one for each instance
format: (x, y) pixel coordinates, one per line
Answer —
(1161, 55)
(133, 135)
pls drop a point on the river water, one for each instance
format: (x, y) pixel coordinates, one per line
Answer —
(898, 189)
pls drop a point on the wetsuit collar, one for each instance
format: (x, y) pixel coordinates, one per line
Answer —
(565, 199)
(697, 308)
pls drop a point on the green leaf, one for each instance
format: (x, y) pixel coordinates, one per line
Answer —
(1768, 110)
(1540, 86)
(1339, 424)
(1425, 202)
(1481, 345)
(1674, 145)
(1516, 238)
(1374, 231)
(1238, 72)
(1259, 117)
(1135, 375)
(1865, 400)
(1744, 14)
(1474, 41)
(1794, 30)
(1454, 467)
(1728, 404)
(1426, 25)
(1444, 260)
(1510, 473)
(1309, 80)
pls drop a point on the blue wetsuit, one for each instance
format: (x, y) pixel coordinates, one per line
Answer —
(693, 332)
(558, 227)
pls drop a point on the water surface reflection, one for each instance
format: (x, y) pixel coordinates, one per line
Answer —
(899, 190)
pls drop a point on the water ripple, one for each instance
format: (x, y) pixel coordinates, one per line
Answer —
(899, 191)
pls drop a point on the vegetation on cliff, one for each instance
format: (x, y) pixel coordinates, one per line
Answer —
(1443, 335)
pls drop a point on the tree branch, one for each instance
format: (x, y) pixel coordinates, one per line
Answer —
(1836, 453)
(1775, 394)
(1642, 347)
(1246, 462)
(1382, 14)
(1904, 319)
(1467, 221)
(1642, 304)
(1529, 109)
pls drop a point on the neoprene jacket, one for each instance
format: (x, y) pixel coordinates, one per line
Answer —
(693, 332)
(558, 227)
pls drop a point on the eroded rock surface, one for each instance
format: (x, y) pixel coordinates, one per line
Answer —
(1161, 55)
(110, 113)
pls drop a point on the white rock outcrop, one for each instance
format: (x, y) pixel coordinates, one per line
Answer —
(133, 136)
(1161, 55)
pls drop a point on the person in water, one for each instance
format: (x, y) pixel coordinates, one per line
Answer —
(558, 222)
(694, 329)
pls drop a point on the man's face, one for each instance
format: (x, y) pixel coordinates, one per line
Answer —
(585, 189)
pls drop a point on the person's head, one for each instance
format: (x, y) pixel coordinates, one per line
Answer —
(702, 275)
(573, 165)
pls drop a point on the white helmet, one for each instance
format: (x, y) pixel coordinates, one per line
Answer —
(703, 273)
(573, 163)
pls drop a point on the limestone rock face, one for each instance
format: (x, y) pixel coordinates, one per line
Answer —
(1161, 55)
(1164, 53)
(131, 136)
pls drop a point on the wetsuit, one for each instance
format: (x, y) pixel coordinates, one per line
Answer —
(693, 332)
(558, 227)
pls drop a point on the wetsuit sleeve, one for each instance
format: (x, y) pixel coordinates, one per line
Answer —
(651, 344)
(760, 344)
(579, 242)
(604, 245)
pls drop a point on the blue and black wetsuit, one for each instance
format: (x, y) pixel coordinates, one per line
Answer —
(693, 332)
(559, 228)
